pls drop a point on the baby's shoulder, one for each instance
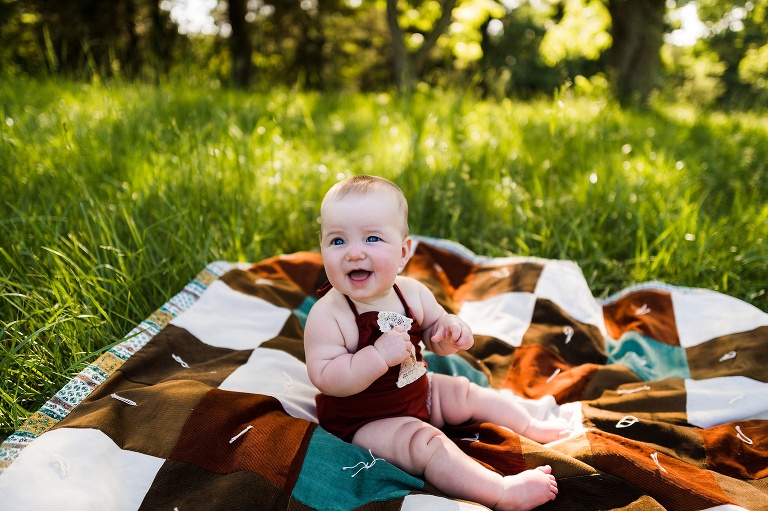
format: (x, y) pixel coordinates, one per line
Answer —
(409, 285)
(330, 303)
(413, 291)
(330, 320)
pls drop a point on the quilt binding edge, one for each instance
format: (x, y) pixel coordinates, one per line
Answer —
(86, 381)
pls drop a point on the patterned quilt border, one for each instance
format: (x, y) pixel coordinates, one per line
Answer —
(78, 388)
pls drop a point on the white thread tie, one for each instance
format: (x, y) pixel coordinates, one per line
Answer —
(180, 361)
(627, 421)
(123, 399)
(553, 375)
(568, 331)
(501, 273)
(473, 439)
(365, 466)
(655, 457)
(63, 466)
(287, 381)
(727, 356)
(741, 436)
(632, 391)
(642, 311)
(243, 432)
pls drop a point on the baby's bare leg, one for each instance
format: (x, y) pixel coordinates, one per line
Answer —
(547, 431)
(456, 400)
(423, 450)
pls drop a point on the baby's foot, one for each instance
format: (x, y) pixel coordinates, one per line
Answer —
(547, 431)
(527, 490)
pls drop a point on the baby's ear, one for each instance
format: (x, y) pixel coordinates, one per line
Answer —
(406, 251)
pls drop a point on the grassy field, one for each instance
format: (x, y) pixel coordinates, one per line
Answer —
(115, 197)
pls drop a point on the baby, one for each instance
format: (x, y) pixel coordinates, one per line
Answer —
(362, 343)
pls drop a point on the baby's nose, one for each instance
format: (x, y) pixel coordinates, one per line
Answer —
(355, 252)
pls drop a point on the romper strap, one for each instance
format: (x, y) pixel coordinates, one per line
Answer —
(352, 306)
(402, 300)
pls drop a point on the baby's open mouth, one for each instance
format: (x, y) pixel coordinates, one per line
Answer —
(359, 275)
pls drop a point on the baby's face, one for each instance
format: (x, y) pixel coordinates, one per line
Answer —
(363, 244)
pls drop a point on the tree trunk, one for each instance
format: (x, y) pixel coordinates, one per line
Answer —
(159, 40)
(309, 54)
(402, 64)
(240, 44)
(409, 67)
(637, 31)
(133, 57)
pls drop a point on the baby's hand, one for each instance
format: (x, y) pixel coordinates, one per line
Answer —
(394, 346)
(454, 329)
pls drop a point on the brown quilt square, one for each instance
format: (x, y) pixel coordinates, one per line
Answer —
(232, 431)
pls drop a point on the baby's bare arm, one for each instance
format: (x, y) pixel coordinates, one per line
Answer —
(332, 368)
(443, 333)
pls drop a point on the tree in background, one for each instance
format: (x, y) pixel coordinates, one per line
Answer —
(19, 49)
(738, 34)
(506, 47)
(94, 38)
(240, 43)
(409, 65)
(637, 31)
(538, 47)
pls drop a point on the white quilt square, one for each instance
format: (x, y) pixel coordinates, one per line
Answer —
(420, 502)
(506, 316)
(728, 399)
(227, 318)
(563, 283)
(75, 469)
(702, 315)
(276, 373)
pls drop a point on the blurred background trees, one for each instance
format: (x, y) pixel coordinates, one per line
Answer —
(500, 47)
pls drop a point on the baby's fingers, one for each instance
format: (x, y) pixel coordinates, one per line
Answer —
(439, 334)
(465, 339)
(456, 332)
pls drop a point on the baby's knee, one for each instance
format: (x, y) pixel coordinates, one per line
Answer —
(425, 441)
(421, 434)
(462, 388)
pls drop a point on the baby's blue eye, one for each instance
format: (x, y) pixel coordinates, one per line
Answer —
(372, 239)
(337, 241)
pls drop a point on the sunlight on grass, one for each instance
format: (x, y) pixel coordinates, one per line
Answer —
(121, 194)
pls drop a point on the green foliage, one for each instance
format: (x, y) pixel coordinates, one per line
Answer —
(738, 33)
(121, 194)
(753, 69)
(465, 35)
(521, 48)
(533, 54)
(582, 32)
(693, 74)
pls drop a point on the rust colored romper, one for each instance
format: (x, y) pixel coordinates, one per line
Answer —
(343, 416)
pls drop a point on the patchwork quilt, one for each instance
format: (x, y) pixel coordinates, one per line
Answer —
(206, 404)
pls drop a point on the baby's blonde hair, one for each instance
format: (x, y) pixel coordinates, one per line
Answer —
(363, 185)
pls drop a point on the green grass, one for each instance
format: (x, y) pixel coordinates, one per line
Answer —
(115, 197)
